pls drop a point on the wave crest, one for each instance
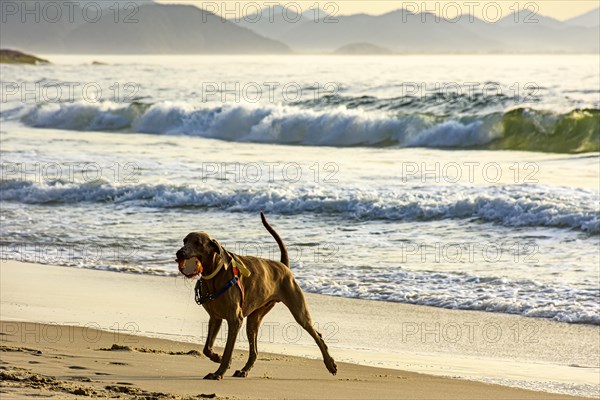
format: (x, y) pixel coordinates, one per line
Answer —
(519, 129)
(504, 205)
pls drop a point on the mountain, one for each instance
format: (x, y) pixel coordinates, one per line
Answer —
(400, 31)
(590, 19)
(17, 57)
(405, 32)
(275, 21)
(185, 29)
(523, 32)
(272, 22)
(103, 4)
(154, 29)
(362, 48)
(527, 18)
(32, 35)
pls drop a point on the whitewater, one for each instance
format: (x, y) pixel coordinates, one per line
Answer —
(397, 185)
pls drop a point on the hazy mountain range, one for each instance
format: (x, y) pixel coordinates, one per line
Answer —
(405, 32)
(184, 29)
(160, 29)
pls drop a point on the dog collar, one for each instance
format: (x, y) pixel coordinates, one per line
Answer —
(237, 268)
(215, 272)
(237, 265)
(200, 299)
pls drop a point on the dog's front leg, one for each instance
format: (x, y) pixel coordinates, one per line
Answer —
(214, 325)
(233, 327)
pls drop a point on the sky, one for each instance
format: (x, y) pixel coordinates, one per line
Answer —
(487, 10)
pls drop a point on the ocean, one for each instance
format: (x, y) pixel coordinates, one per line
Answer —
(464, 182)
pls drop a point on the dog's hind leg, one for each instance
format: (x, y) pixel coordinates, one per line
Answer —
(233, 327)
(252, 325)
(294, 300)
(214, 325)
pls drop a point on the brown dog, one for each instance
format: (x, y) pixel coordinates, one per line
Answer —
(269, 282)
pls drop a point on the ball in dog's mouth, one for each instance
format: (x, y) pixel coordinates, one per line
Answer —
(190, 267)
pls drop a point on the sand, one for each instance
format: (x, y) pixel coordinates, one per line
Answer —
(83, 314)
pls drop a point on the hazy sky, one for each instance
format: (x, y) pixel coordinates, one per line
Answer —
(559, 9)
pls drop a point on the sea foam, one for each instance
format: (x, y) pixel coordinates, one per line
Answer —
(522, 129)
(511, 205)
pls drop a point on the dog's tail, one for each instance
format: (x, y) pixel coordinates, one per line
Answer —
(284, 253)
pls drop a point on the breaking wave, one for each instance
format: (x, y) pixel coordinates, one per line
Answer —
(518, 129)
(516, 205)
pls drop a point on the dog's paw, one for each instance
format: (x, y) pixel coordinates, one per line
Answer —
(331, 366)
(212, 356)
(240, 373)
(213, 377)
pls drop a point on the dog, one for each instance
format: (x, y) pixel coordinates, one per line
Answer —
(262, 284)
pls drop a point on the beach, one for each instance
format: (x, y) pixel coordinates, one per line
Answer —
(60, 324)
(419, 183)
(440, 215)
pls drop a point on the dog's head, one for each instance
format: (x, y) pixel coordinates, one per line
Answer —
(200, 252)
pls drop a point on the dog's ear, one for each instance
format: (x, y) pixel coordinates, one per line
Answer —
(216, 246)
(224, 254)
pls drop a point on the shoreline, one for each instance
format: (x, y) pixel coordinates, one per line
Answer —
(470, 346)
(72, 362)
